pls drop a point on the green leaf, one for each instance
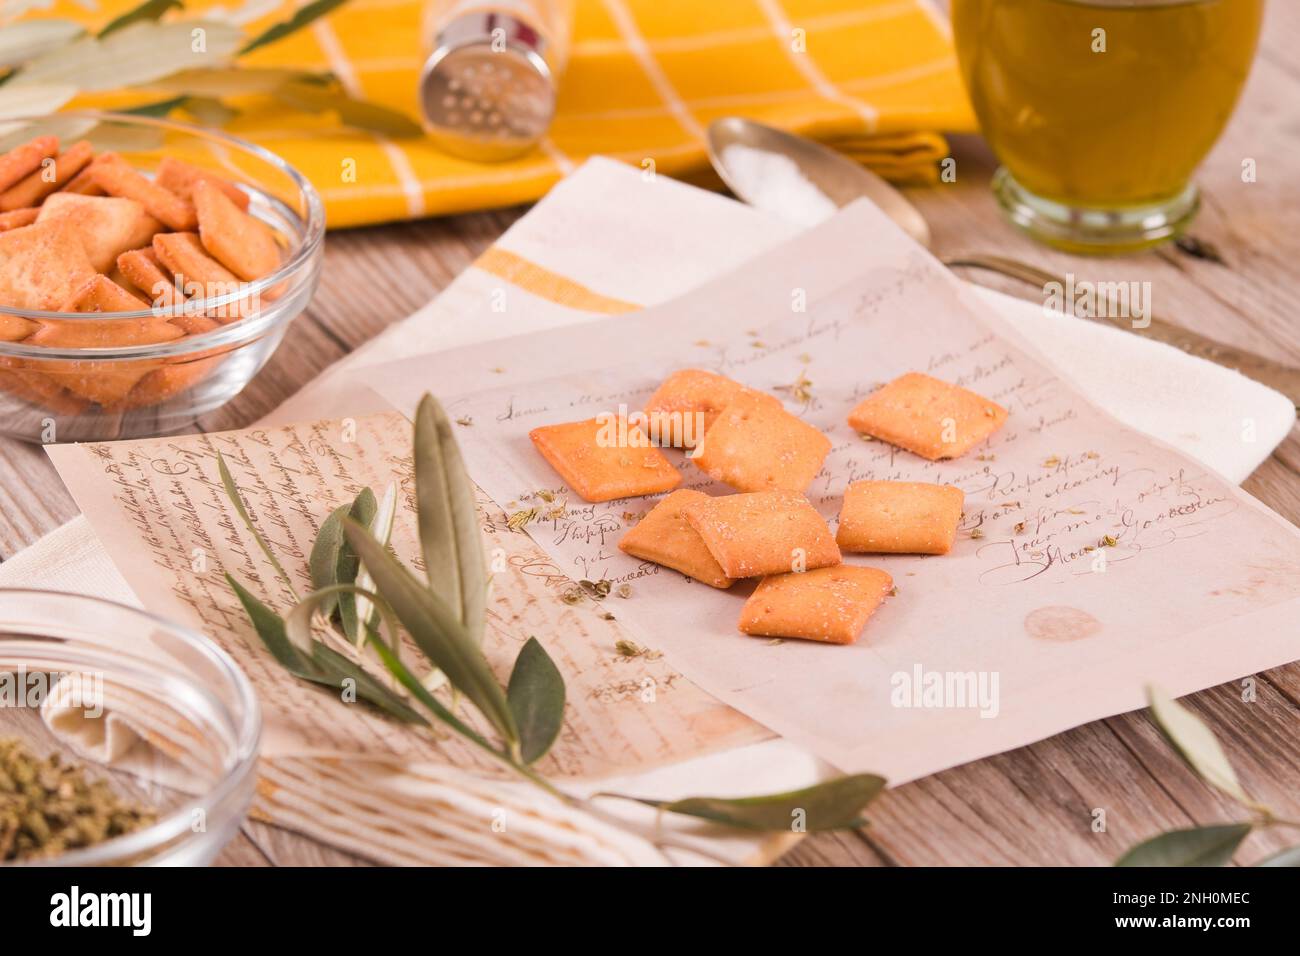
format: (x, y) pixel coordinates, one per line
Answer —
(156, 109)
(1198, 846)
(381, 529)
(435, 630)
(1288, 857)
(135, 55)
(450, 541)
(236, 499)
(834, 805)
(421, 693)
(332, 668)
(324, 560)
(20, 42)
(148, 10)
(536, 697)
(208, 111)
(360, 114)
(301, 18)
(1196, 743)
(33, 100)
(271, 629)
(368, 689)
(234, 80)
(363, 512)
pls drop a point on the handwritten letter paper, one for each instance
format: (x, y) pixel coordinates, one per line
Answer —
(159, 507)
(1090, 560)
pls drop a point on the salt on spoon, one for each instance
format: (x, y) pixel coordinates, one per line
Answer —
(774, 182)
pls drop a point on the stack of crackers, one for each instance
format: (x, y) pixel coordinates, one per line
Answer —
(747, 439)
(86, 233)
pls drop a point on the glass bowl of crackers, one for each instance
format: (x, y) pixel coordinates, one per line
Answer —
(148, 270)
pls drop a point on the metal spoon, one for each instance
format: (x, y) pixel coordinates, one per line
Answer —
(842, 181)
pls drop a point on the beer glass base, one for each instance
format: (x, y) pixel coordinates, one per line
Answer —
(1094, 231)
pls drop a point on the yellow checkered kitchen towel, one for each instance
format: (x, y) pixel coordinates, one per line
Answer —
(877, 78)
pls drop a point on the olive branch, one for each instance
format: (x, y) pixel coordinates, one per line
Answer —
(187, 63)
(1209, 845)
(347, 634)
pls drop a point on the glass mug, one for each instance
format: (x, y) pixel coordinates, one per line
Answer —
(1099, 110)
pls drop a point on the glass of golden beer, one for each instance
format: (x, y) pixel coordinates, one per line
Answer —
(1099, 110)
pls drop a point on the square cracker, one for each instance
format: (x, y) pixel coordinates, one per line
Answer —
(603, 459)
(899, 517)
(686, 405)
(665, 537)
(142, 269)
(36, 185)
(763, 532)
(756, 445)
(17, 218)
(109, 380)
(932, 418)
(108, 226)
(41, 265)
(21, 161)
(244, 245)
(14, 328)
(200, 276)
(179, 177)
(115, 176)
(829, 604)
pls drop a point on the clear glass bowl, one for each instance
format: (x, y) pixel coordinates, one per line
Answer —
(186, 710)
(195, 374)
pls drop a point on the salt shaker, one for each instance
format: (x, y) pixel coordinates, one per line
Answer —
(488, 87)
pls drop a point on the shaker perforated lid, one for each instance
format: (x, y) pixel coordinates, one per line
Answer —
(487, 91)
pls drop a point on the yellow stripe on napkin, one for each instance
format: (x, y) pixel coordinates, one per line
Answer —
(645, 79)
(548, 285)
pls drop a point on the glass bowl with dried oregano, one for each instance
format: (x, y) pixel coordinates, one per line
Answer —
(124, 739)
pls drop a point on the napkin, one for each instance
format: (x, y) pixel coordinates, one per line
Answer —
(644, 80)
(604, 242)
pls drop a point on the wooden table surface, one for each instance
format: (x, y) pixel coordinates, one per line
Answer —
(1036, 805)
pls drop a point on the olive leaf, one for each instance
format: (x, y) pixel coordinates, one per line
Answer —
(20, 42)
(450, 541)
(332, 668)
(536, 697)
(834, 805)
(301, 18)
(340, 669)
(208, 110)
(158, 108)
(1198, 846)
(1196, 743)
(388, 656)
(364, 508)
(148, 10)
(136, 54)
(381, 529)
(362, 114)
(323, 563)
(234, 80)
(236, 499)
(271, 629)
(435, 630)
(1288, 857)
(35, 99)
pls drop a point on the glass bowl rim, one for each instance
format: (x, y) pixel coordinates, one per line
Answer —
(248, 740)
(307, 248)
